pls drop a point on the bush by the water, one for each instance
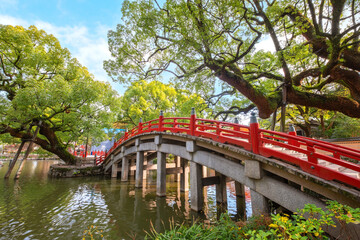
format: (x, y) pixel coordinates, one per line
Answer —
(276, 226)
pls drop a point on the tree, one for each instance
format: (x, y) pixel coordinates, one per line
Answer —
(40, 81)
(145, 100)
(315, 63)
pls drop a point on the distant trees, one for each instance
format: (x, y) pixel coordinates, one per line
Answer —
(145, 100)
(40, 81)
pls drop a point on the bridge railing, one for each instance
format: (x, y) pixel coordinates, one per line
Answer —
(322, 159)
(99, 159)
(328, 161)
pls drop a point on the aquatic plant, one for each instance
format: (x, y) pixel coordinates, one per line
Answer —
(307, 223)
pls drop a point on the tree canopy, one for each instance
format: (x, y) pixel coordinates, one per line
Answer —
(315, 62)
(40, 81)
(145, 100)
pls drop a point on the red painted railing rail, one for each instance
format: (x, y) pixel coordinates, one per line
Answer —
(322, 159)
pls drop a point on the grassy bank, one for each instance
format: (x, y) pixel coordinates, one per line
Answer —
(275, 226)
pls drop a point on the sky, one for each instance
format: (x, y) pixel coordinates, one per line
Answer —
(80, 25)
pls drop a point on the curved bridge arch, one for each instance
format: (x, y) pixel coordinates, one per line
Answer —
(230, 161)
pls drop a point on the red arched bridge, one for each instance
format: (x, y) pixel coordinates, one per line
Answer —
(281, 168)
(319, 158)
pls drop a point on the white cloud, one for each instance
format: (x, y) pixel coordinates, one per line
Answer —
(9, 20)
(89, 46)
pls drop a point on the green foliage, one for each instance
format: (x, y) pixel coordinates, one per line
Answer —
(344, 127)
(225, 228)
(198, 42)
(307, 223)
(92, 233)
(146, 99)
(41, 81)
(42, 153)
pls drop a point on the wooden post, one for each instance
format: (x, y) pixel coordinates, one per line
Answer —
(28, 150)
(13, 162)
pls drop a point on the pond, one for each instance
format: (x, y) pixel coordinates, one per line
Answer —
(39, 207)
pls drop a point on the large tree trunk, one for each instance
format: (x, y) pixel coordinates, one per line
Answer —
(51, 144)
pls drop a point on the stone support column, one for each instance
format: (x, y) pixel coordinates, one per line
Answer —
(113, 168)
(184, 177)
(145, 171)
(221, 196)
(161, 174)
(197, 198)
(240, 200)
(177, 165)
(132, 163)
(125, 169)
(259, 203)
(139, 169)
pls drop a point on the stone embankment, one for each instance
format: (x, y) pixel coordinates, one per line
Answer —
(69, 171)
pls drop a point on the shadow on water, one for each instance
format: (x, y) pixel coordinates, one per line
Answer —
(38, 207)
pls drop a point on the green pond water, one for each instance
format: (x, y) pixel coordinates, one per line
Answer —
(39, 207)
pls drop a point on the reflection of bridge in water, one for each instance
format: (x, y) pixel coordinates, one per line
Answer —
(284, 169)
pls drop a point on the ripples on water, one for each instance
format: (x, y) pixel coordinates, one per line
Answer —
(38, 207)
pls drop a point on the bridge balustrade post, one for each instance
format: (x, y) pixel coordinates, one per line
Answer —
(236, 121)
(292, 132)
(254, 134)
(192, 122)
(175, 124)
(218, 129)
(161, 119)
(126, 134)
(140, 126)
(311, 158)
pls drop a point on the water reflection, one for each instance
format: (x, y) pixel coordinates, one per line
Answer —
(38, 207)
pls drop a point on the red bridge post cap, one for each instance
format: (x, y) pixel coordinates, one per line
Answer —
(253, 118)
(192, 111)
(140, 120)
(161, 113)
(236, 120)
(291, 128)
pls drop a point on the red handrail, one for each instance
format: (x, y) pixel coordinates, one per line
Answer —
(315, 154)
